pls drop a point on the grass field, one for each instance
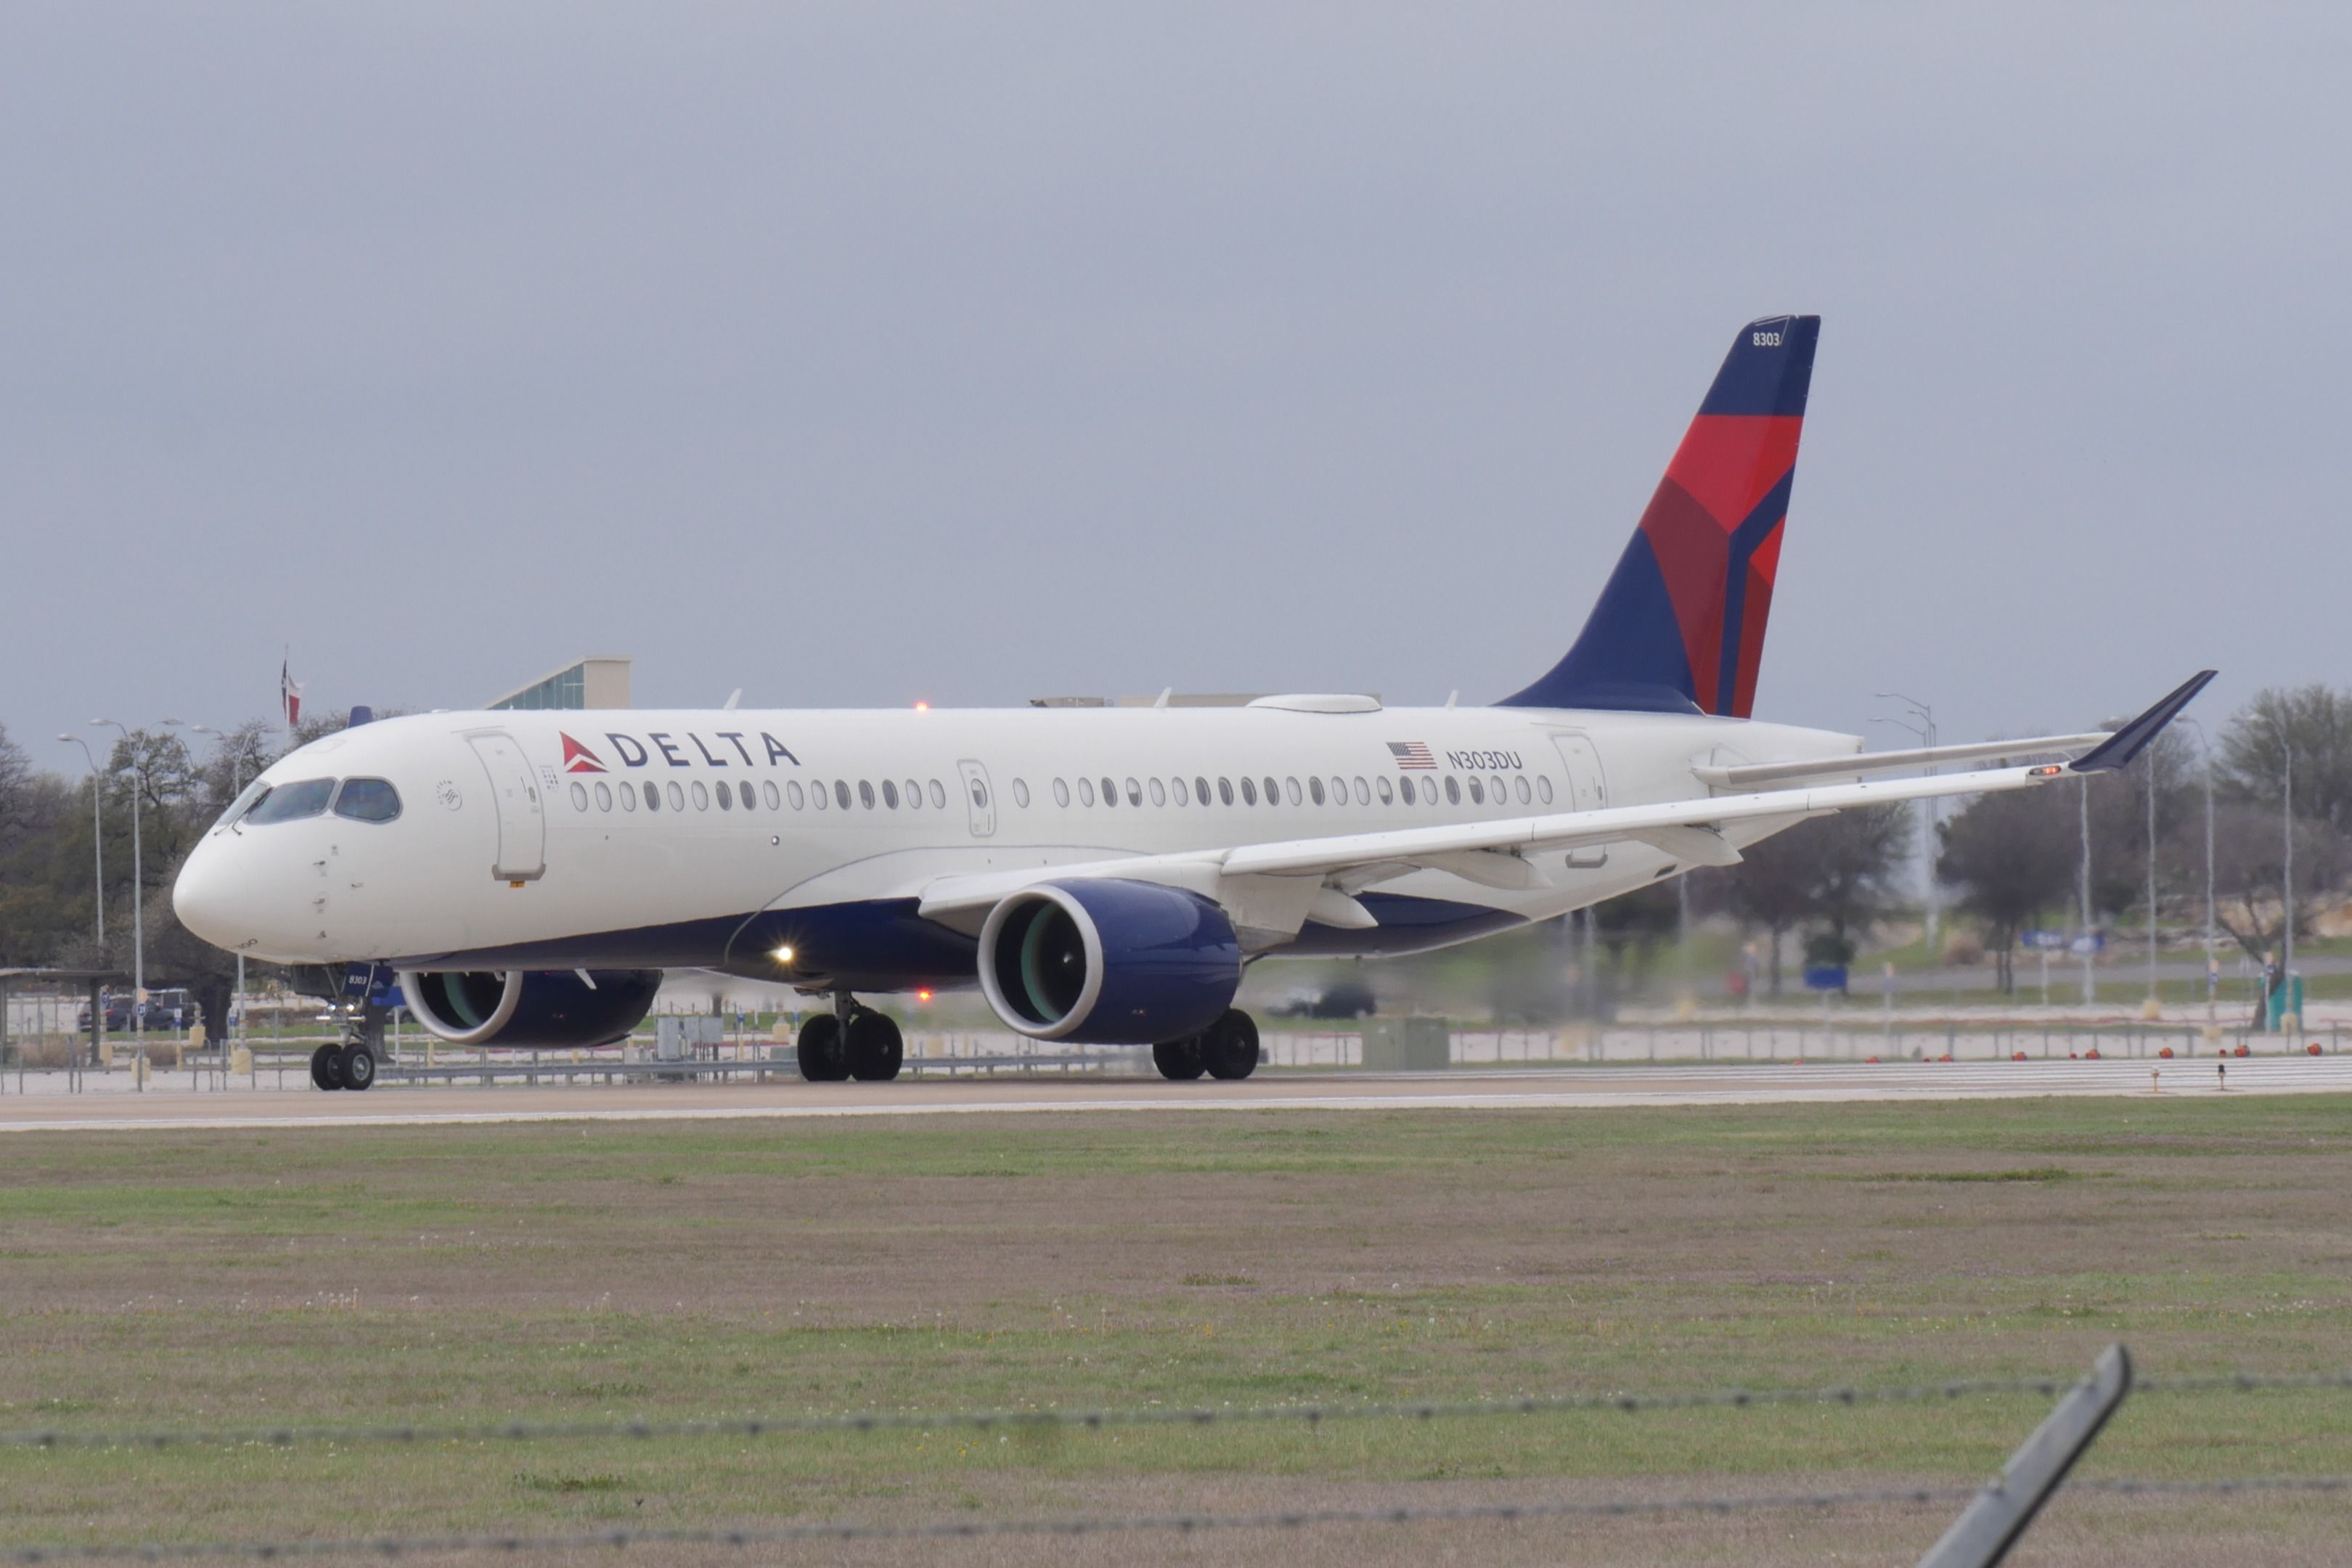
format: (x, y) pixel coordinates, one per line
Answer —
(706, 1269)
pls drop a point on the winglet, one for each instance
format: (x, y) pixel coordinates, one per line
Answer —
(2117, 749)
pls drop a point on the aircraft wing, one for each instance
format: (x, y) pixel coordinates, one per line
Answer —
(1323, 874)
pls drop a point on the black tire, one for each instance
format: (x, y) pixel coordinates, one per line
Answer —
(326, 1067)
(1229, 1049)
(818, 1050)
(356, 1064)
(1178, 1059)
(873, 1046)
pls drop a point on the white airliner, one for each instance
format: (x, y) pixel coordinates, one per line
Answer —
(1102, 874)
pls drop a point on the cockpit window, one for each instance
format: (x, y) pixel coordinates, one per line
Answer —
(242, 804)
(289, 801)
(368, 800)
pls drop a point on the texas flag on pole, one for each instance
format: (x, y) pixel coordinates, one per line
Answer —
(289, 692)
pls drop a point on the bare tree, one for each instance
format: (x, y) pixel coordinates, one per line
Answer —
(2011, 856)
(2250, 873)
(2317, 723)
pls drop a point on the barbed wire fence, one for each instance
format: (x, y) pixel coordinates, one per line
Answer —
(2020, 1500)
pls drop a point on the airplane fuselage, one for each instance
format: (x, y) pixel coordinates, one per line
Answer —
(724, 839)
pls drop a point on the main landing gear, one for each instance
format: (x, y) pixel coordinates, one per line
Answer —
(850, 1042)
(1227, 1049)
(343, 1066)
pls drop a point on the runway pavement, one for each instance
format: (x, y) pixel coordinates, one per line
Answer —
(1536, 1089)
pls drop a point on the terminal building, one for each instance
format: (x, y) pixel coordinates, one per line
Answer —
(598, 681)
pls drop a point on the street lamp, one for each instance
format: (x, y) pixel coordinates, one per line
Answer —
(138, 883)
(2213, 967)
(1925, 730)
(97, 833)
(2287, 962)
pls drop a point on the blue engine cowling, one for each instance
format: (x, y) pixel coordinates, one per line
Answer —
(529, 1007)
(1106, 962)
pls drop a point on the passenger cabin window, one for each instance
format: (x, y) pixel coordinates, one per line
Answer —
(1183, 798)
(1477, 791)
(653, 796)
(286, 803)
(1021, 793)
(1385, 798)
(1404, 787)
(913, 795)
(726, 796)
(1061, 792)
(1315, 790)
(841, 794)
(1272, 796)
(774, 800)
(1293, 786)
(1134, 793)
(1085, 792)
(701, 796)
(1543, 788)
(628, 798)
(889, 795)
(1225, 790)
(1110, 791)
(579, 797)
(1525, 793)
(604, 795)
(1453, 790)
(1160, 793)
(1200, 788)
(370, 800)
(793, 792)
(939, 796)
(1249, 790)
(677, 797)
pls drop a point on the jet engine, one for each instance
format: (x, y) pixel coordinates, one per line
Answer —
(529, 1007)
(1109, 961)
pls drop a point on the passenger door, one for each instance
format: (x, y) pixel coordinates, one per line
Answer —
(522, 815)
(1588, 790)
(979, 798)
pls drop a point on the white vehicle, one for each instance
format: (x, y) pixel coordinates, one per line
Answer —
(1102, 874)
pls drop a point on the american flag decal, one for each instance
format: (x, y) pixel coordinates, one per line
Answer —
(1411, 754)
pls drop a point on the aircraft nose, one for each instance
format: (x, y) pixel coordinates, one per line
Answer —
(206, 896)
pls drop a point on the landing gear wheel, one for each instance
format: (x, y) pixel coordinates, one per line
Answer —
(356, 1064)
(1178, 1059)
(873, 1046)
(818, 1050)
(327, 1067)
(1229, 1046)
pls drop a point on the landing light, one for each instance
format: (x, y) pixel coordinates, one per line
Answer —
(2048, 771)
(923, 995)
(922, 707)
(783, 955)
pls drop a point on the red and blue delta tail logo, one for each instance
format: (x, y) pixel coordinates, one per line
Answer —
(1680, 626)
(579, 759)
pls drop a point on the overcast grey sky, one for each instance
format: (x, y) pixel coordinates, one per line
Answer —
(856, 354)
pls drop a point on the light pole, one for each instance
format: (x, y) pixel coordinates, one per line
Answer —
(97, 832)
(1925, 730)
(236, 788)
(2212, 966)
(2151, 1009)
(2090, 982)
(2286, 965)
(138, 883)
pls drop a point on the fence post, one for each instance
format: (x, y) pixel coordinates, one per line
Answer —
(1990, 1525)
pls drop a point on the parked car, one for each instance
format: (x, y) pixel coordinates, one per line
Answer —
(166, 1011)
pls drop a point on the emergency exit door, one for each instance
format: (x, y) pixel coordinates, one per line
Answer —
(1588, 790)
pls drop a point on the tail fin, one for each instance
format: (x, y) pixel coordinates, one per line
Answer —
(1680, 627)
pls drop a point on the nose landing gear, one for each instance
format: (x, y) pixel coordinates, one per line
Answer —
(343, 1066)
(850, 1042)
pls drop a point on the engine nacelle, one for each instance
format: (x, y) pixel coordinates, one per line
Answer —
(1109, 961)
(529, 1007)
